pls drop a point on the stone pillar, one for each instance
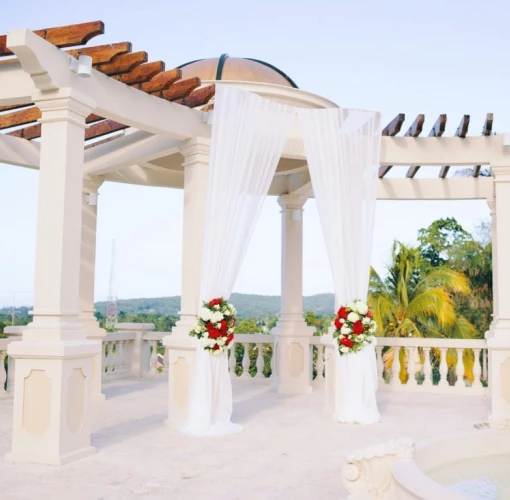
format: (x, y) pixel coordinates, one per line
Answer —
(492, 206)
(499, 342)
(51, 414)
(87, 279)
(291, 335)
(180, 346)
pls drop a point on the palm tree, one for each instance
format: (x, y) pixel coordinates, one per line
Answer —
(412, 303)
(409, 303)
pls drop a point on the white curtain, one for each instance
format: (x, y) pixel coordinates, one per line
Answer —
(342, 148)
(248, 136)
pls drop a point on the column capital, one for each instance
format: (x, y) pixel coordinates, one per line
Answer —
(196, 150)
(492, 205)
(501, 172)
(63, 105)
(292, 201)
(91, 184)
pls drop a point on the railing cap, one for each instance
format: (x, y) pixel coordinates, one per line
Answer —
(135, 327)
(14, 330)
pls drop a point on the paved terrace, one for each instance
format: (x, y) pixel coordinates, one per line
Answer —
(289, 449)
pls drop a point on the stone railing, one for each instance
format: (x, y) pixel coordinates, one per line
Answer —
(432, 365)
(6, 363)
(252, 356)
(133, 351)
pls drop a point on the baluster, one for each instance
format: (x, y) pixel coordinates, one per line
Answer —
(3, 373)
(484, 365)
(153, 370)
(10, 375)
(260, 360)
(459, 369)
(232, 362)
(443, 368)
(319, 379)
(106, 359)
(246, 360)
(427, 368)
(477, 369)
(166, 359)
(380, 365)
(411, 366)
(119, 357)
(113, 356)
(395, 368)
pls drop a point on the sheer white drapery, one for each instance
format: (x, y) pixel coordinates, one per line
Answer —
(248, 136)
(342, 148)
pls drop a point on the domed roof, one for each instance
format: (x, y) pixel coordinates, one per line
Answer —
(235, 69)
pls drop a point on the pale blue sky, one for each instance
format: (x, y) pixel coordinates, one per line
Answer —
(414, 57)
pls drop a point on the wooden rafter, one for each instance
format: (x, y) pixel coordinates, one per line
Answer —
(486, 131)
(392, 129)
(461, 132)
(436, 131)
(64, 36)
(115, 60)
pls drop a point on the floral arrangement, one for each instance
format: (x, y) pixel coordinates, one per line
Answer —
(355, 327)
(215, 326)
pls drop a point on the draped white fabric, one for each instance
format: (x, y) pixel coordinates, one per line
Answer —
(342, 148)
(248, 136)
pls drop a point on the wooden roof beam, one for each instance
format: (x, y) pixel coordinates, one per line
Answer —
(461, 132)
(63, 36)
(198, 97)
(179, 89)
(486, 131)
(123, 63)
(161, 81)
(392, 129)
(142, 73)
(436, 131)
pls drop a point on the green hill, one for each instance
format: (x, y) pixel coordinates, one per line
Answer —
(248, 306)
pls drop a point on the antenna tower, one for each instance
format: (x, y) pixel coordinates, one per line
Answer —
(111, 308)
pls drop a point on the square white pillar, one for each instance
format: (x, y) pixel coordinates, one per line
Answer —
(51, 416)
(87, 280)
(180, 346)
(291, 356)
(499, 340)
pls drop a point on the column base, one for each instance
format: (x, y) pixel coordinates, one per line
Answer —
(181, 356)
(34, 458)
(292, 362)
(52, 396)
(499, 376)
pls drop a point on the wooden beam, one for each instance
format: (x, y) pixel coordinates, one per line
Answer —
(63, 36)
(392, 129)
(22, 117)
(34, 131)
(198, 97)
(463, 127)
(14, 106)
(436, 131)
(142, 73)
(179, 89)
(161, 81)
(104, 141)
(416, 128)
(123, 63)
(102, 53)
(461, 132)
(103, 128)
(486, 131)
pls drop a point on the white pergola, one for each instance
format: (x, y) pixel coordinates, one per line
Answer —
(152, 141)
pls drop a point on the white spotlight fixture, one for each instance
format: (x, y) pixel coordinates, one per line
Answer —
(81, 66)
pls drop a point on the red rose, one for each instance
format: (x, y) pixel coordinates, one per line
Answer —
(216, 347)
(338, 325)
(214, 334)
(369, 314)
(342, 313)
(357, 327)
(214, 302)
(346, 342)
(224, 326)
(230, 338)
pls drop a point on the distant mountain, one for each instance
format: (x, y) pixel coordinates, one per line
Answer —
(252, 306)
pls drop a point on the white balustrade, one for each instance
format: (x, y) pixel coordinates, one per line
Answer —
(117, 354)
(429, 364)
(318, 360)
(157, 364)
(246, 340)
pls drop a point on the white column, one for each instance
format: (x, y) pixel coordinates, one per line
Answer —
(499, 342)
(51, 414)
(87, 279)
(291, 334)
(492, 206)
(180, 346)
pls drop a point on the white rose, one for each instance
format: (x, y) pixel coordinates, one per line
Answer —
(362, 308)
(373, 328)
(221, 341)
(205, 314)
(230, 330)
(217, 306)
(216, 317)
(344, 349)
(366, 321)
(205, 334)
(360, 337)
(212, 342)
(352, 317)
(345, 330)
(227, 312)
(218, 325)
(204, 342)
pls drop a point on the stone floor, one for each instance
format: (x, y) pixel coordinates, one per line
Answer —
(289, 449)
